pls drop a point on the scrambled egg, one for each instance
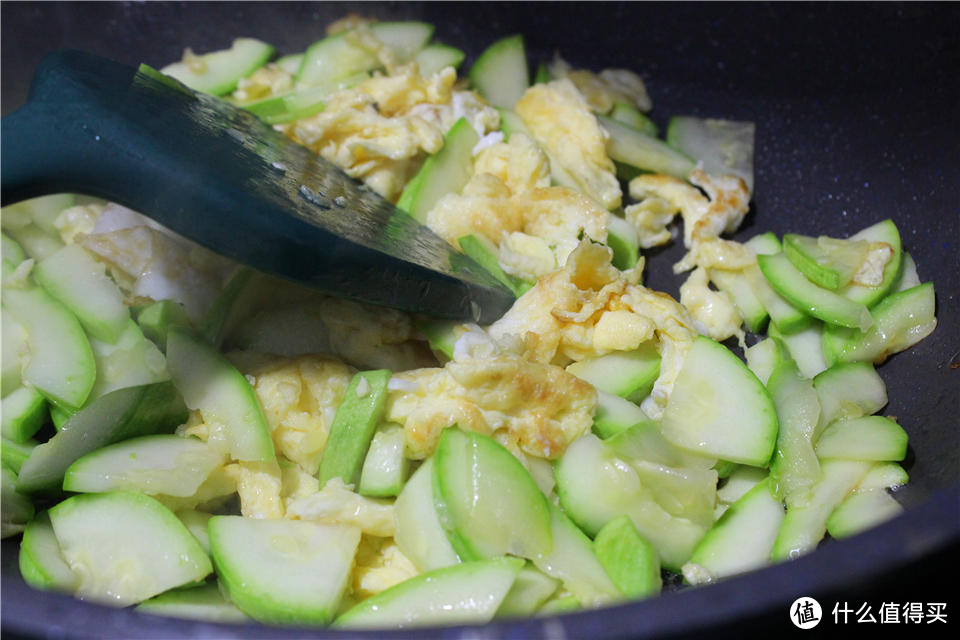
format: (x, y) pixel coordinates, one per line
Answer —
(379, 565)
(541, 406)
(559, 119)
(266, 82)
(299, 399)
(713, 312)
(337, 504)
(704, 217)
(602, 91)
(379, 130)
(574, 313)
(150, 262)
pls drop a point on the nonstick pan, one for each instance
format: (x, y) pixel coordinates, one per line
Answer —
(856, 107)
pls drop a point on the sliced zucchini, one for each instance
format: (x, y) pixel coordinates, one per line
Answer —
(623, 240)
(122, 414)
(500, 74)
(884, 231)
(794, 467)
(487, 501)
(530, 590)
(806, 521)
(615, 490)
(120, 546)
(283, 571)
(630, 561)
(447, 171)
(718, 408)
(299, 104)
(816, 301)
(805, 346)
(763, 358)
(291, 63)
(644, 442)
(384, 467)
(14, 454)
(722, 146)
(826, 262)
(166, 464)
(42, 564)
(849, 391)
(883, 475)
(42, 212)
(353, 427)
(633, 117)
(60, 364)
(418, 531)
(13, 253)
(24, 412)
(899, 321)
(436, 57)
(628, 374)
(742, 480)
(17, 509)
(869, 438)
(210, 384)
(15, 347)
(468, 593)
(573, 562)
(743, 537)
(218, 72)
(615, 415)
(439, 334)
(36, 243)
(156, 319)
(205, 603)
(633, 147)
(862, 511)
(73, 277)
(484, 253)
(737, 285)
(908, 274)
(132, 360)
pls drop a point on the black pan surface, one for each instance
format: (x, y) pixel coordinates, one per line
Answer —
(857, 111)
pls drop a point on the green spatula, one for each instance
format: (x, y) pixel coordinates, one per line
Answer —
(216, 174)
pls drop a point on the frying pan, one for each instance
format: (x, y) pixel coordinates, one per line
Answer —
(857, 120)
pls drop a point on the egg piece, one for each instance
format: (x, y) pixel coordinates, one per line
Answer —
(713, 312)
(378, 130)
(870, 273)
(73, 221)
(557, 319)
(526, 256)
(259, 486)
(379, 565)
(335, 503)
(300, 397)
(602, 91)
(152, 263)
(650, 217)
(560, 121)
(267, 81)
(541, 405)
(705, 217)
(519, 163)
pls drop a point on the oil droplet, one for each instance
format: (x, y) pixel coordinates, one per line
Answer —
(313, 197)
(340, 201)
(475, 311)
(279, 167)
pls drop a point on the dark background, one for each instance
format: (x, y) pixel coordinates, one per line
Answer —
(857, 111)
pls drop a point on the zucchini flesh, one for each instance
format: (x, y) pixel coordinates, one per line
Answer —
(763, 358)
(628, 374)
(633, 117)
(283, 571)
(35, 242)
(42, 212)
(806, 521)
(530, 590)
(884, 231)
(418, 531)
(488, 503)
(723, 146)
(629, 560)
(743, 537)
(849, 391)
(447, 171)
(133, 411)
(14, 344)
(166, 464)
(868, 438)
(632, 147)
(861, 511)
(805, 346)
(622, 239)
(826, 262)
(614, 415)
(816, 301)
(210, 384)
(719, 409)
(737, 286)
(572, 561)
(794, 467)
(61, 364)
(384, 467)
(883, 475)
(900, 321)
(120, 546)
(78, 281)
(14, 454)
(218, 72)
(24, 412)
(436, 57)
(42, 564)
(205, 603)
(468, 593)
(13, 253)
(500, 74)
(484, 253)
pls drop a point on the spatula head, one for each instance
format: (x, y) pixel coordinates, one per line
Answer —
(218, 175)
